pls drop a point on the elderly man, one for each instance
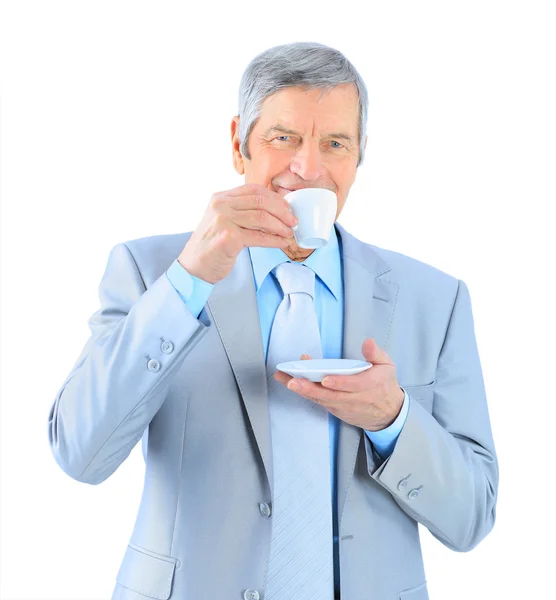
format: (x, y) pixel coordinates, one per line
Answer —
(258, 485)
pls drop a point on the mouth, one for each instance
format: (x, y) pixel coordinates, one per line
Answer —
(283, 191)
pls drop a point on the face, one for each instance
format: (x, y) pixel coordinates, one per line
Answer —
(301, 140)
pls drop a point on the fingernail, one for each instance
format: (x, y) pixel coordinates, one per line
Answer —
(293, 385)
(328, 381)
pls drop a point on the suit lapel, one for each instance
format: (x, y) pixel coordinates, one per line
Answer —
(368, 312)
(369, 304)
(233, 304)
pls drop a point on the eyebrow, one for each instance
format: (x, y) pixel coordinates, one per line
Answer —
(281, 129)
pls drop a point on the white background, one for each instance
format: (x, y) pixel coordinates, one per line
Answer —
(115, 124)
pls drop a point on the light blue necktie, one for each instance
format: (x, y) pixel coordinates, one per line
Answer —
(301, 554)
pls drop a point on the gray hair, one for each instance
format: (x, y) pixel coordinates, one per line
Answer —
(304, 64)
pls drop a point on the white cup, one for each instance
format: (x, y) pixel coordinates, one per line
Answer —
(315, 209)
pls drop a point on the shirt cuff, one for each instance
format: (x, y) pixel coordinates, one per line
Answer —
(384, 440)
(193, 291)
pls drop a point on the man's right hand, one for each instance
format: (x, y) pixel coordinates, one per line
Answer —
(248, 215)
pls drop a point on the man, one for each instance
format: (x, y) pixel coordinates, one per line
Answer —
(183, 353)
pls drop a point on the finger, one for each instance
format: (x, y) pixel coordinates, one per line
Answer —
(260, 238)
(313, 391)
(254, 189)
(253, 195)
(282, 377)
(278, 207)
(346, 383)
(374, 354)
(261, 219)
(246, 188)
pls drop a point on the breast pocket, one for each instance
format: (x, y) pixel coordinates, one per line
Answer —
(147, 573)
(424, 394)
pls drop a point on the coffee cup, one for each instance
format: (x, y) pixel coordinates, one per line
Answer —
(315, 209)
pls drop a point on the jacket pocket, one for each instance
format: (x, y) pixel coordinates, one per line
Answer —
(416, 593)
(424, 394)
(147, 573)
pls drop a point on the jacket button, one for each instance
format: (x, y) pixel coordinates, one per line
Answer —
(153, 365)
(265, 509)
(251, 595)
(167, 347)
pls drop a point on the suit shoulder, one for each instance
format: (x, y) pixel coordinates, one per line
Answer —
(165, 240)
(154, 254)
(417, 273)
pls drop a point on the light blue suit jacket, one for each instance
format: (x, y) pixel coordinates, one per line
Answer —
(329, 305)
(195, 389)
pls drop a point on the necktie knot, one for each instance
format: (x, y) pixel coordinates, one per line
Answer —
(294, 277)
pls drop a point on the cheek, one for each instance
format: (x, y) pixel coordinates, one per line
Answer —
(343, 180)
(257, 168)
(274, 163)
(343, 176)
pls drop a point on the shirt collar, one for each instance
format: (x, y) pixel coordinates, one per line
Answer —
(325, 262)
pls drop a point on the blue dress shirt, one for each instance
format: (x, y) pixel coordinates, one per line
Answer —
(326, 262)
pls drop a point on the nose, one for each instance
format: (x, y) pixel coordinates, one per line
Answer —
(307, 162)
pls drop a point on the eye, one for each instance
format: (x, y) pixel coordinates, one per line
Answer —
(282, 136)
(335, 142)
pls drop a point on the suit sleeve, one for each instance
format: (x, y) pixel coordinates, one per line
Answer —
(443, 471)
(139, 338)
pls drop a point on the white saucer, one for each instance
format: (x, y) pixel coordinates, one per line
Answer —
(316, 369)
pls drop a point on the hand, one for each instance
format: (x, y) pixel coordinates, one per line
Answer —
(248, 215)
(371, 400)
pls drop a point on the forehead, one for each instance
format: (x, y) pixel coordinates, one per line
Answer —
(299, 108)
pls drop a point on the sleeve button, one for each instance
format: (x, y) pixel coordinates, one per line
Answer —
(413, 494)
(167, 347)
(153, 365)
(402, 484)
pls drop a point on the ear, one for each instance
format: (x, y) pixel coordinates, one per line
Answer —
(237, 156)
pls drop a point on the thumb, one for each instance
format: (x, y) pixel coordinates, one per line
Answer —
(374, 354)
(305, 357)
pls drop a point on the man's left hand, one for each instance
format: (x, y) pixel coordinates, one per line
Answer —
(371, 400)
